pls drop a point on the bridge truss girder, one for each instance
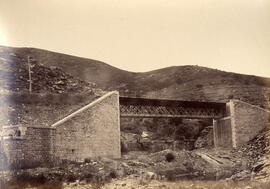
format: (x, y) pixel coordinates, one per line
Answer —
(167, 109)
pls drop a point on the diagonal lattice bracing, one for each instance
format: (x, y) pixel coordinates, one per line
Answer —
(162, 111)
(167, 108)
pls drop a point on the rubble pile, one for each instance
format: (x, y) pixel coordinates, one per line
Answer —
(256, 155)
(95, 170)
(253, 150)
(15, 76)
(166, 165)
(262, 167)
(205, 140)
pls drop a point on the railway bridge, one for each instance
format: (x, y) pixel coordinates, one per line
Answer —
(234, 122)
(94, 129)
(161, 108)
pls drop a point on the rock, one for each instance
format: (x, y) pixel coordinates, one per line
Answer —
(145, 143)
(137, 164)
(129, 142)
(241, 176)
(144, 134)
(205, 140)
(258, 167)
(149, 175)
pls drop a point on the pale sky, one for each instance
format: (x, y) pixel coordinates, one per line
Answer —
(142, 35)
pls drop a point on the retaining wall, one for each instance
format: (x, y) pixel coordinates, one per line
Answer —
(92, 131)
(222, 133)
(26, 146)
(242, 123)
(247, 121)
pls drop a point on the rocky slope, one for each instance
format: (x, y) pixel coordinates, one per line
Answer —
(14, 80)
(179, 82)
(14, 76)
(262, 166)
(88, 70)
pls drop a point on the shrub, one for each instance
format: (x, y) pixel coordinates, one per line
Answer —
(87, 160)
(169, 157)
(199, 86)
(113, 174)
(70, 178)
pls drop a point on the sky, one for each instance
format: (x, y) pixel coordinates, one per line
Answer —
(143, 35)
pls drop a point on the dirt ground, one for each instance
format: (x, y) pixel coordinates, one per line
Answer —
(164, 169)
(198, 168)
(145, 184)
(152, 184)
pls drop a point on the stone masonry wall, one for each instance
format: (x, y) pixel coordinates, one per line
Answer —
(25, 147)
(247, 121)
(92, 131)
(222, 133)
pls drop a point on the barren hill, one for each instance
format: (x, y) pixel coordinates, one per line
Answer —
(14, 76)
(60, 73)
(178, 82)
(87, 70)
(49, 85)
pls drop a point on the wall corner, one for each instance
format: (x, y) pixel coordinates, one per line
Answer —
(233, 126)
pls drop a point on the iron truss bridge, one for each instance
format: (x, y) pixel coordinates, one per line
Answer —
(159, 108)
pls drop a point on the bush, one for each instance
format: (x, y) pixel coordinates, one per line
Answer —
(113, 174)
(87, 160)
(199, 86)
(70, 178)
(169, 157)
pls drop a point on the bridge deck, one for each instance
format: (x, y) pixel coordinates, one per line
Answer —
(142, 107)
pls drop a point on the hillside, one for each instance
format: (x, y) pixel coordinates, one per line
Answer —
(48, 84)
(14, 76)
(147, 142)
(85, 69)
(179, 82)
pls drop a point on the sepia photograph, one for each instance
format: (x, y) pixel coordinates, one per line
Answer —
(134, 94)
